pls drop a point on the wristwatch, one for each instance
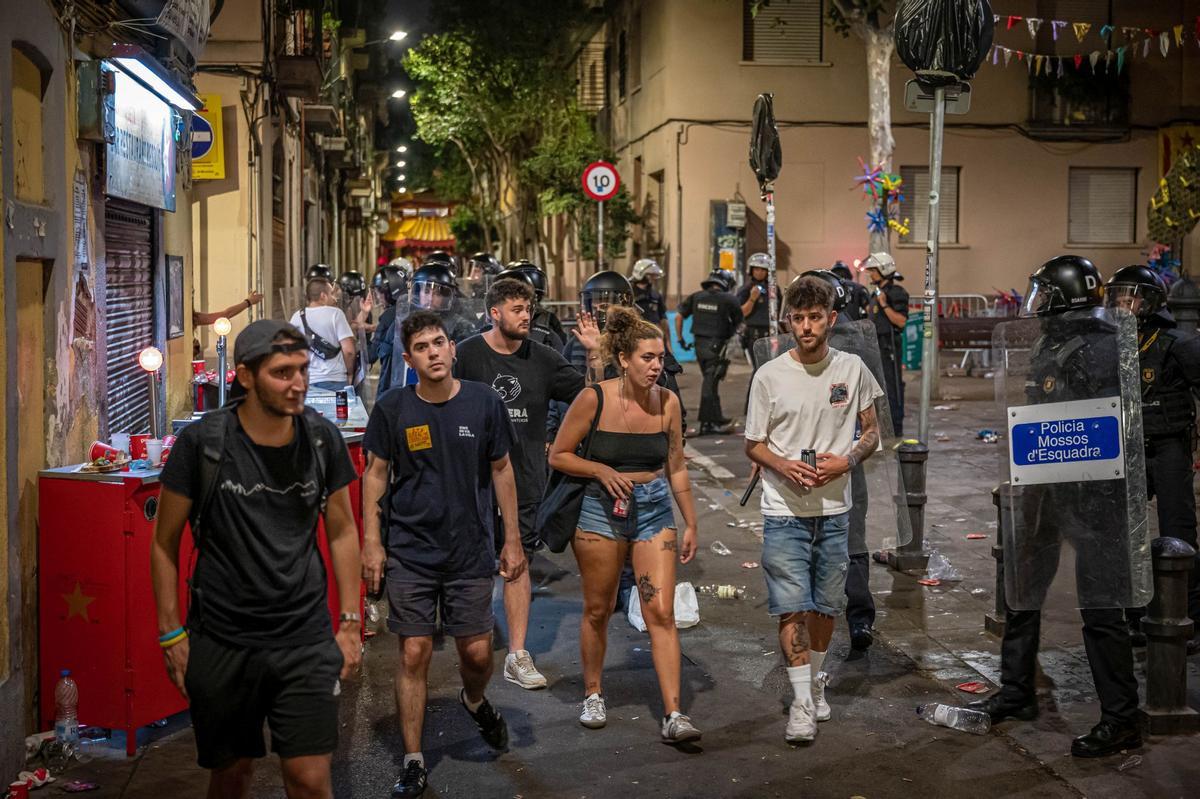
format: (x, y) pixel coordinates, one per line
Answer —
(354, 617)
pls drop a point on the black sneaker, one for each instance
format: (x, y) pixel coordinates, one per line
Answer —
(412, 781)
(489, 721)
(860, 637)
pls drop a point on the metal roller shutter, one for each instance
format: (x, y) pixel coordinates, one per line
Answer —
(129, 311)
(783, 32)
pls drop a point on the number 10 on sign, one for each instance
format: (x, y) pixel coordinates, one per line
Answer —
(600, 182)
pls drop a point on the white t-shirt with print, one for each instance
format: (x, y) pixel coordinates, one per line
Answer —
(329, 323)
(796, 406)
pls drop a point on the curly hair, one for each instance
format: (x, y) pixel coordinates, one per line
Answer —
(808, 292)
(507, 289)
(623, 329)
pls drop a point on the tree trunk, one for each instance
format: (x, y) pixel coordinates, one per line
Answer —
(880, 46)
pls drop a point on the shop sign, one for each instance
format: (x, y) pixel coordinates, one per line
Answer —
(141, 155)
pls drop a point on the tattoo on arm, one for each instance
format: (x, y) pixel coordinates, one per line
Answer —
(868, 442)
(646, 589)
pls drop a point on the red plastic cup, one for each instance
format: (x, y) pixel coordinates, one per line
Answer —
(197, 368)
(18, 790)
(168, 442)
(166, 451)
(137, 445)
(101, 450)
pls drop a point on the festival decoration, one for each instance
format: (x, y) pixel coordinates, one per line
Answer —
(1175, 205)
(886, 193)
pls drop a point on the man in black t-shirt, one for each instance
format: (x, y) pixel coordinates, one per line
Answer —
(888, 309)
(252, 479)
(527, 376)
(438, 450)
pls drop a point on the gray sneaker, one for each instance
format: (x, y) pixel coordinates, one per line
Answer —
(519, 669)
(595, 714)
(823, 711)
(678, 728)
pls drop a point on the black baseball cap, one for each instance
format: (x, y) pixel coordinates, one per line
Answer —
(265, 337)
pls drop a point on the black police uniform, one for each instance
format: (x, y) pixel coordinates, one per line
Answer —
(544, 328)
(381, 346)
(1072, 360)
(758, 321)
(857, 302)
(891, 347)
(1170, 370)
(650, 302)
(716, 317)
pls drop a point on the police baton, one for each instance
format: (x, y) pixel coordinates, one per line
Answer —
(754, 478)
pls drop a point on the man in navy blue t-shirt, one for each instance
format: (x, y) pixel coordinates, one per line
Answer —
(446, 444)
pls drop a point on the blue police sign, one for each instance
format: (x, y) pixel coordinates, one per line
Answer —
(1066, 442)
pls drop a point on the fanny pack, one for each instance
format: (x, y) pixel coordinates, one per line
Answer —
(319, 346)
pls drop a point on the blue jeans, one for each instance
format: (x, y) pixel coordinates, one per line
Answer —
(654, 512)
(805, 560)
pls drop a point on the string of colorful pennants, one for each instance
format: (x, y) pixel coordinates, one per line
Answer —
(1138, 42)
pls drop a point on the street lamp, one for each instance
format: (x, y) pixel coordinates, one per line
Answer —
(397, 36)
(401, 164)
(402, 149)
(222, 327)
(151, 360)
(399, 94)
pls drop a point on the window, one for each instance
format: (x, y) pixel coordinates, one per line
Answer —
(1103, 206)
(915, 207)
(783, 31)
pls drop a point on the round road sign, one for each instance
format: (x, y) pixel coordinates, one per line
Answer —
(601, 181)
(202, 137)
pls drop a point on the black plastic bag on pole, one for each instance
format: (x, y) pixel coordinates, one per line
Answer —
(766, 156)
(943, 41)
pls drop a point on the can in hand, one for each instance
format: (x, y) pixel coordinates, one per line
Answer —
(621, 508)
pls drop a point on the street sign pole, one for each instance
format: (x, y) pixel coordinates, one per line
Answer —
(929, 354)
(600, 236)
(600, 182)
(772, 285)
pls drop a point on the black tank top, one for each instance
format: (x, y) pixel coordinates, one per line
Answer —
(630, 452)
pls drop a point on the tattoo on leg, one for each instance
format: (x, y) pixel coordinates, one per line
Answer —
(670, 545)
(799, 640)
(647, 589)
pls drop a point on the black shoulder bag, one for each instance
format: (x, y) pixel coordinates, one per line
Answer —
(319, 346)
(558, 513)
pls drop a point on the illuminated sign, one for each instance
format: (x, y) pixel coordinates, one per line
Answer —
(141, 156)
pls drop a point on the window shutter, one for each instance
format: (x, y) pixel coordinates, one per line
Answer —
(915, 206)
(129, 313)
(784, 31)
(1103, 206)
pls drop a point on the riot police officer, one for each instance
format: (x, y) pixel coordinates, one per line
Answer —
(483, 268)
(390, 284)
(753, 298)
(434, 287)
(644, 275)
(717, 316)
(858, 299)
(318, 271)
(1170, 372)
(888, 309)
(545, 323)
(1074, 357)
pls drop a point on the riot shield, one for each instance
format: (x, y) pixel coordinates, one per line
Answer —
(1074, 519)
(353, 307)
(463, 319)
(878, 516)
(291, 299)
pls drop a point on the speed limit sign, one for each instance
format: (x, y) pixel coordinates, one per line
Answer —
(601, 181)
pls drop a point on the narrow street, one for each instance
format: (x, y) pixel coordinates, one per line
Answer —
(929, 640)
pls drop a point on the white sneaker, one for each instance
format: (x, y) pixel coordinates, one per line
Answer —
(519, 669)
(677, 728)
(595, 714)
(802, 724)
(818, 695)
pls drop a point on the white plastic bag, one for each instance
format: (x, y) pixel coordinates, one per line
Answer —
(687, 608)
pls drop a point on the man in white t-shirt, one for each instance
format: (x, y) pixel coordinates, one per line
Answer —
(330, 338)
(810, 398)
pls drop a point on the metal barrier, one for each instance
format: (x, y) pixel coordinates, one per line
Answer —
(967, 320)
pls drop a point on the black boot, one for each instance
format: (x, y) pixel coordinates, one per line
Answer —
(1001, 707)
(1107, 738)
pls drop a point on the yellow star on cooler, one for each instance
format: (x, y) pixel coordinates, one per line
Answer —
(77, 603)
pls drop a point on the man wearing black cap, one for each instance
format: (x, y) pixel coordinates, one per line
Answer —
(252, 479)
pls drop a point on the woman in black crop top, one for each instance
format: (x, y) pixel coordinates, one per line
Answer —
(636, 449)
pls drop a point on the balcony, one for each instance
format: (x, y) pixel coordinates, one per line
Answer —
(1080, 106)
(300, 55)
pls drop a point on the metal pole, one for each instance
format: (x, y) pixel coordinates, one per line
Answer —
(155, 426)
(600, 236)
(929, 354)
(772, 287)
(1168, 629)
(221, 367)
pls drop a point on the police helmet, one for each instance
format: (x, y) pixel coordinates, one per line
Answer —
(318, 271)
(645, 269)
(433, 287)
(535, 274)
(391, 282)
(441, 257)
(403, 264)
(353, 284)
(603, 289)
(718, 278)
(1136, 288)
(1061, 284)
(841, 270)
(841, 297)
(881, 261)
(486, 262)
(759, 260)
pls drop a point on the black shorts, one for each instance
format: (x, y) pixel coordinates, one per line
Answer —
(415, 598)
(526, 515)
(232, 690)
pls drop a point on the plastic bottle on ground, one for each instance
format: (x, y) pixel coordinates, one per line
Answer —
(956, 718)
(66, 709)
(722, 591)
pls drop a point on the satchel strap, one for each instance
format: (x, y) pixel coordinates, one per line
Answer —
(587, 442)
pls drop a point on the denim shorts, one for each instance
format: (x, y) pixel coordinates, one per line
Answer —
(804, 561)
(653, 512)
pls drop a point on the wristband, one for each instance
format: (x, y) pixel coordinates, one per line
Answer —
(170, 635)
